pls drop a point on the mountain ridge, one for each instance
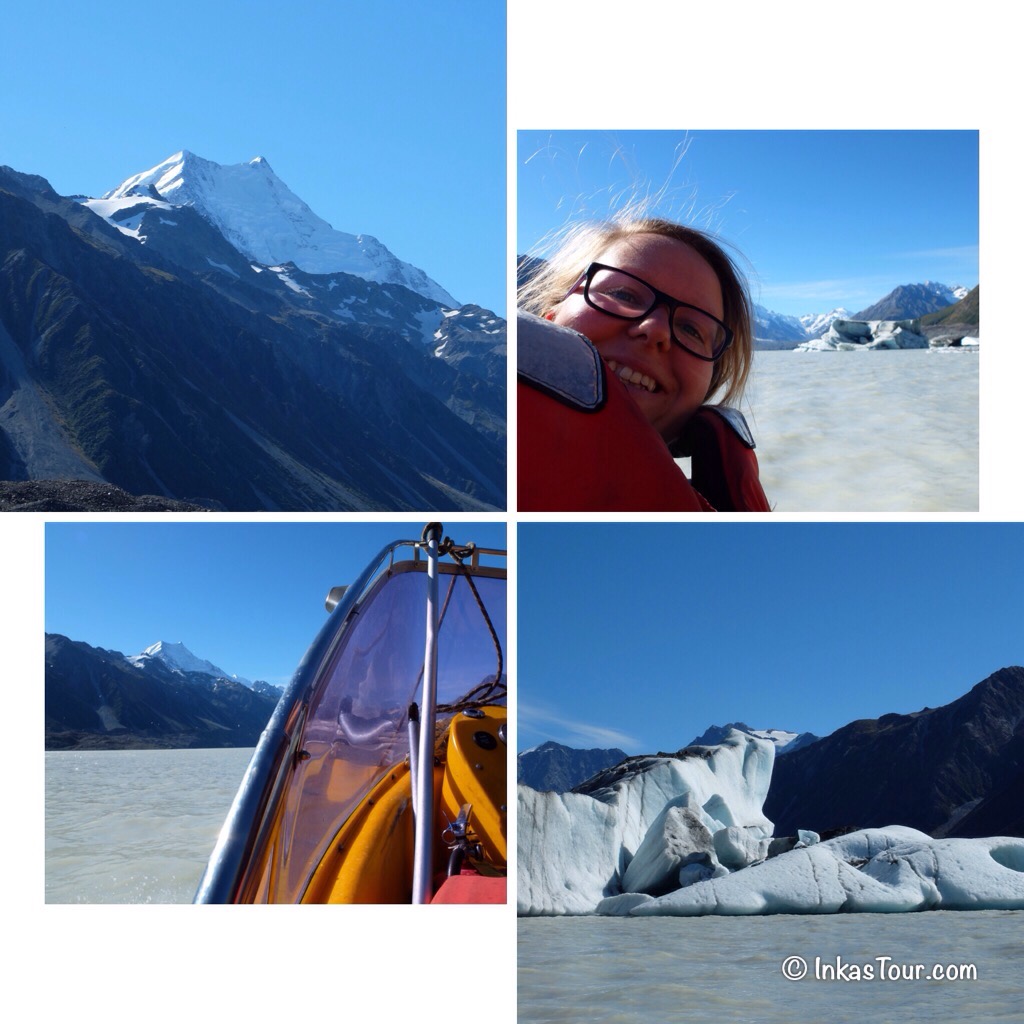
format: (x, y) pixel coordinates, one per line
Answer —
(928, 769)
(555, 767)
(100, 699)
(175, 368)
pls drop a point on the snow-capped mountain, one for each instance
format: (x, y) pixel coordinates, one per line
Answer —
(912, 300)
(777, 327)
(146, 345)
(164, 697)
(262, 218)
(178, 658)
(816, 324)
(273, 236)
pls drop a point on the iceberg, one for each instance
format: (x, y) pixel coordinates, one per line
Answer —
(846, 335)
(685, 835)
(577, 848)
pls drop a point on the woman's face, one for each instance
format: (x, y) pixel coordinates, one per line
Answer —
(666, 382)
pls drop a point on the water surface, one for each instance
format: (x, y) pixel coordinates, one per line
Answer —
(135, 826)
(615, 970)
(890, 431)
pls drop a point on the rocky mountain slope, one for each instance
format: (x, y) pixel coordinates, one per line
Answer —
(954, 323)
(948, 771)
(909, 301)
(144, 350)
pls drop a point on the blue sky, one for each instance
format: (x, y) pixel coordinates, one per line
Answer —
(642, 635)
(822, 218)
(247, 596)
(386, 118)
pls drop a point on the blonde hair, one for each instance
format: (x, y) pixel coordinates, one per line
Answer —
(582, 244)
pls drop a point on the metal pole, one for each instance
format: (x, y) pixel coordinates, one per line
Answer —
(414, 751)
(423, 860)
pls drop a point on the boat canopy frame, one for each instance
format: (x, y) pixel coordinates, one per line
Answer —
(246, 830)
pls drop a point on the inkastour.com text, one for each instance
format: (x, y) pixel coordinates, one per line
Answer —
(879, 968)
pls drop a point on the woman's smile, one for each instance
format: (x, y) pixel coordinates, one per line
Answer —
(634, 378)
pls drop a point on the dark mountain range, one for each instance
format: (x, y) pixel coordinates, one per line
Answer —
(954, 770)
(907, 302)
(97, 699)
(557, 768)
(180, 368)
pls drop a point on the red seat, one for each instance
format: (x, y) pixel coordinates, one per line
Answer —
(471, 888)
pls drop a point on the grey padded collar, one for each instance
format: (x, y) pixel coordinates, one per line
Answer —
(560, 362)
(737, 421)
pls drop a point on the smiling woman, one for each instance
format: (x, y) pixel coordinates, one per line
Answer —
(663, 308)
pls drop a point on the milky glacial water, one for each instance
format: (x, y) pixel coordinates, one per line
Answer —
(886, 431)
(619, 971)
(135, 826)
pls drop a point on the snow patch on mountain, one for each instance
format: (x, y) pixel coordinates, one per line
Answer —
(785, 742)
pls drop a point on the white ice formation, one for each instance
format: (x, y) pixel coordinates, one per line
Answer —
(875, 870)
(686, 836)
(847, 335)
(575, 849)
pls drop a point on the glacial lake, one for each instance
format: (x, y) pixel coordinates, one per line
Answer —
(889, 431)
(718, 969)
(135, 826)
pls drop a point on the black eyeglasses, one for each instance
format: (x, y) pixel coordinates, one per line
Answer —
(619, 294)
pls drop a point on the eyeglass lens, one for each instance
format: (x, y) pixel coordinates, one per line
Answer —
(621, 294)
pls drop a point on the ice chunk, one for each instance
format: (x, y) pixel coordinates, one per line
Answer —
(739, 847)
(675, 834)
(903, 873)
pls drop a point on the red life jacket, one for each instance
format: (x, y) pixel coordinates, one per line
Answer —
(584, 445)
